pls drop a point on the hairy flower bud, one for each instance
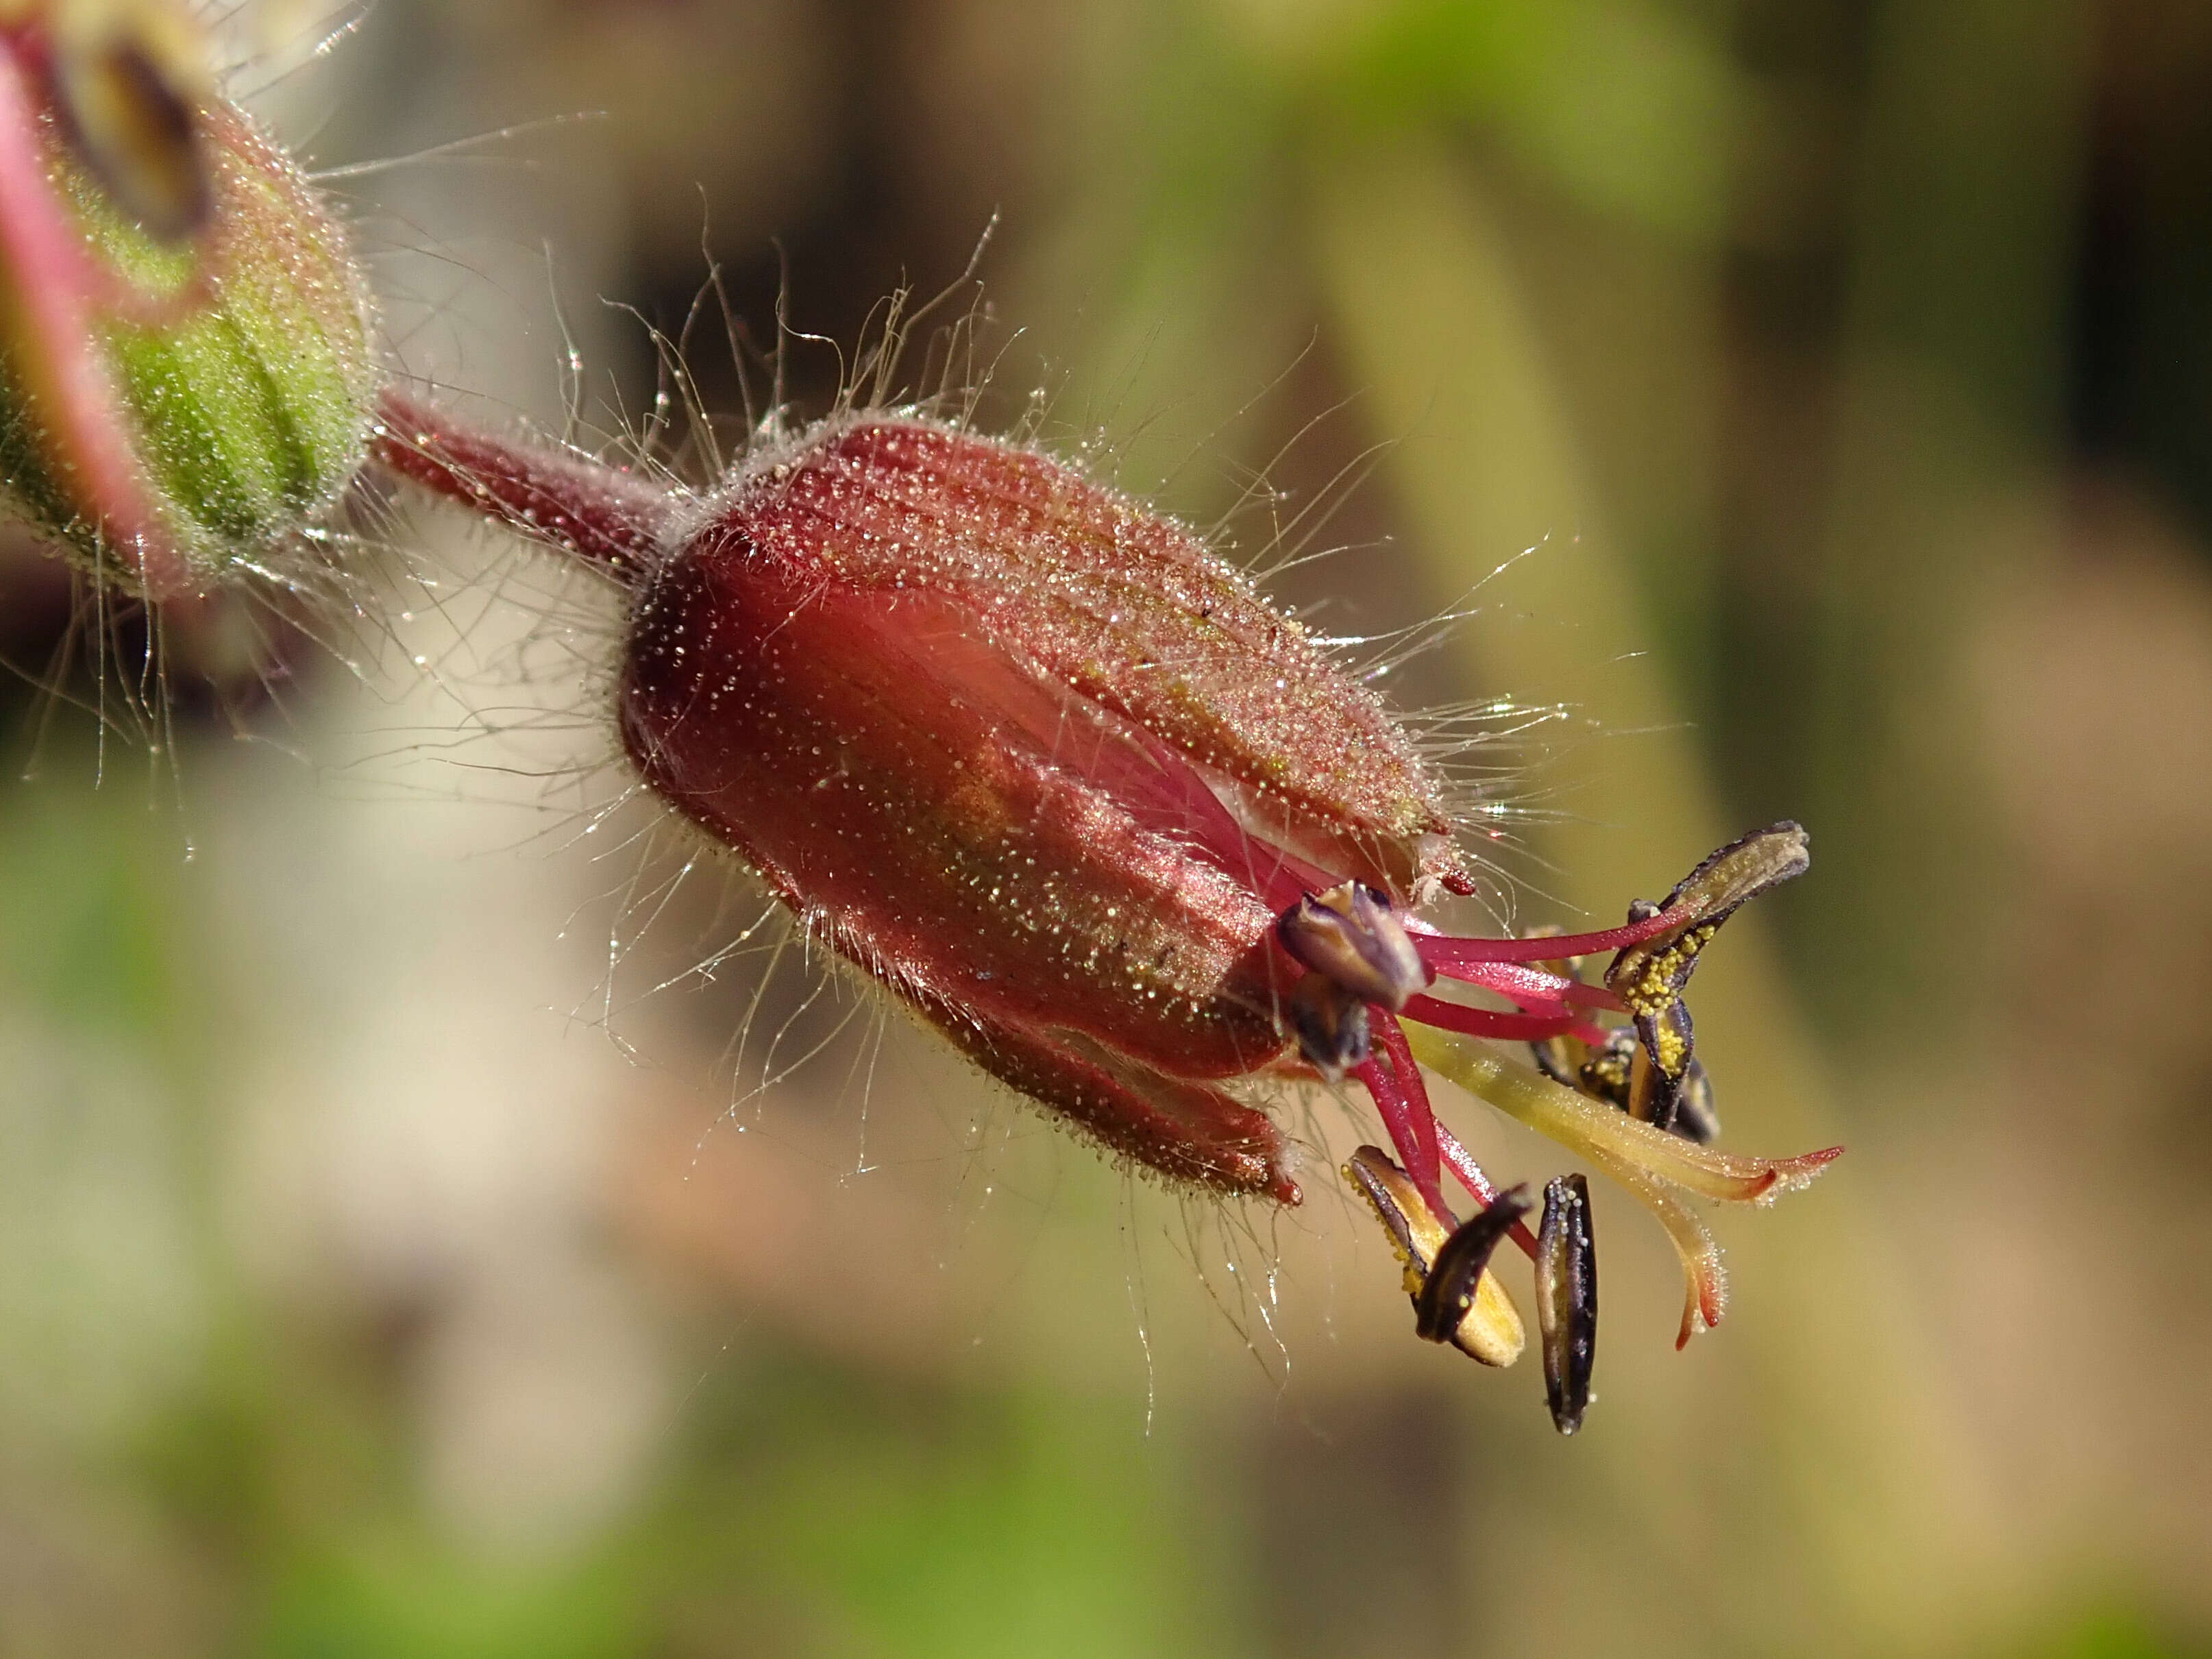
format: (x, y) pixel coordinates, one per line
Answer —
(1030, 755)
(1036, 759)
(185, 371)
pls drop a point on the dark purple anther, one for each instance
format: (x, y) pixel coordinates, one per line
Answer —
(1567, 1298)
(1351, 933)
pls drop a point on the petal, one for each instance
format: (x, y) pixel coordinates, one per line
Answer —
(1594, 1129)
(1704, 1290)
(1188, 1131)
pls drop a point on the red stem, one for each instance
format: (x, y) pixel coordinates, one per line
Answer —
(1404, 1103)
(1530, 987)
(608, 517)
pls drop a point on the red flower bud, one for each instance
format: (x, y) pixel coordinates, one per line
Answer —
(1040, 763)
(1031, 756)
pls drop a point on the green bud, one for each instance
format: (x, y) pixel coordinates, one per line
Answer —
(239, 365)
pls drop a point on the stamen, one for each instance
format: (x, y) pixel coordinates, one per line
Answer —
(1444, 953)
(1423, 1158)
(1412, 1128)
(1352, 934)
(1489, 1327)
(1566, 1299)
(1490, 1023)
(1448, 1293)
(1650, 976)
(1330, 1024)
(1470, 1175)
(1694, 1115)
(1530, 987)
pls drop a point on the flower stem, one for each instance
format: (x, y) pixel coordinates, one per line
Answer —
(611, 519)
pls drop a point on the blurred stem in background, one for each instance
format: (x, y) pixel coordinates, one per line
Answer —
(1941, 493)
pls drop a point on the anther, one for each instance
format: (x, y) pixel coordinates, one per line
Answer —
(1447, 1294)
(1330, 1024)
(1651, 975)
(1488, 1326)
(1567, 1298)
(1353, 934)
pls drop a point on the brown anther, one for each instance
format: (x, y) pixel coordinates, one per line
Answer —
(1330, 1024)
(1650, 976)
(1447, 1294)
(1353, 934)
(1567, 1298)
(1695, 1117)
(1489, 1329)
(1609, 1073)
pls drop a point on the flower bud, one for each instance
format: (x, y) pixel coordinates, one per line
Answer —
(173, 411)
(1031, 756)
(1050, 771)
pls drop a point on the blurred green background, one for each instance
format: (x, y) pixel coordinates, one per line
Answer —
(384, 1270)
